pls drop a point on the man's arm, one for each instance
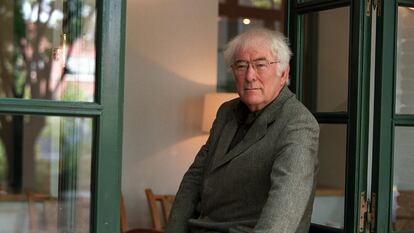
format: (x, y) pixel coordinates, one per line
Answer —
(289, 204)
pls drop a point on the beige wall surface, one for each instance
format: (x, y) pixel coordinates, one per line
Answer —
(171, 55)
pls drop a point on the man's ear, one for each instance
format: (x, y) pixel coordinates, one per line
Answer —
(285, 75)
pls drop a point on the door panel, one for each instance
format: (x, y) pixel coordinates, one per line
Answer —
(330, 70)
(45, 168)
(403, 182)
(393, 109)
(402, 207)
(328, 208)
(393, 118)
(61, 88)
(326, 41)
(404, 93)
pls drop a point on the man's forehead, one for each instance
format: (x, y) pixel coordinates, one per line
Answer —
(253, 54)
(256, 49)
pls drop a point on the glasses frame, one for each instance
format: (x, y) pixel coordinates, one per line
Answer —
(241, 70)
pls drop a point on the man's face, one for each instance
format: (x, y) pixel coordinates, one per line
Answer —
(258, 86)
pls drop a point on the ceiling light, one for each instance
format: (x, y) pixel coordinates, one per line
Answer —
(246, 21)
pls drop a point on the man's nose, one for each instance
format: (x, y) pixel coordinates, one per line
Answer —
(251, 73)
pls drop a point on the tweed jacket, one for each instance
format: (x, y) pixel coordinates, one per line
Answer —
(264, 184)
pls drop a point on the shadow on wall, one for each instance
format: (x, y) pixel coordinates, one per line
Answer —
(162, 131)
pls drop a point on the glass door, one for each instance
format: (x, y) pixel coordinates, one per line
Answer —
(60, 115)
(393, 177)
(330, 75)
(322, 33)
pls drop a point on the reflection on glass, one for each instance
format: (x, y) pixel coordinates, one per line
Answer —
(328, 208)
(404, 99)
(45, 173)
(325, 73)
(266, 4)
(403, 188)
(47, 49)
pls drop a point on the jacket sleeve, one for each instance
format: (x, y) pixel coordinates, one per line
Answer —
(289, 205)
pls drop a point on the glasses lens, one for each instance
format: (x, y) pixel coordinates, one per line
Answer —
(241, 66)
(261, 65)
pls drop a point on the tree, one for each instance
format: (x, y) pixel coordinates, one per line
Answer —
(26, 62)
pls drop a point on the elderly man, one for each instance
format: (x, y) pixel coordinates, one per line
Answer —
(256, 172)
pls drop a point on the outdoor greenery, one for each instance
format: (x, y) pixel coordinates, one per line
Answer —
(269, 4)
(30, 32)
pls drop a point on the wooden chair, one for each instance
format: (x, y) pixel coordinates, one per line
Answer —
(43, 217)
(43, 213)
(160, 208)
(124, 221)
(165, 202)
(405, 211)
(122, 212)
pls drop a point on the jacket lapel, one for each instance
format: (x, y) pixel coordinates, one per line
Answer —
(255, 133)
(224, 141)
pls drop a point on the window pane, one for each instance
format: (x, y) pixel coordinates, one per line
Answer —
(328, 208)
(325, 65)
(47, 49)
(45, 173)
(404, 99)
(266, 4)
(403, 188)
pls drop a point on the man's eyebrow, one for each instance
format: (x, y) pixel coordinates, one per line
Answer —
(240, 60)
(257, 59)
(260, 59)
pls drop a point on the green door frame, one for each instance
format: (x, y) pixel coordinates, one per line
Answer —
(107, 166)
(383, 112)
(357, 116)
(107, 113)
(385, 119)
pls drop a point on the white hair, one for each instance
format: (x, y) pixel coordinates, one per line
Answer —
(273, 40)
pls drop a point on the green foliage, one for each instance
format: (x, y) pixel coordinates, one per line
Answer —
(19, 23)
(3, 164)
(73, 19)
(268, 4)
(73, 93)
(26, 54)
(19, 72)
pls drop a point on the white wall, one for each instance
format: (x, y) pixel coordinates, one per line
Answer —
(171, 55)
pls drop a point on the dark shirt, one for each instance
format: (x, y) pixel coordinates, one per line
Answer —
(245, 119)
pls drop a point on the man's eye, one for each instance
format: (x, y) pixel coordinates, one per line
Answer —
(241, 66)
(260, 65)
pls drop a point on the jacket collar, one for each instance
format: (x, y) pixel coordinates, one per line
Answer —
(255, 133)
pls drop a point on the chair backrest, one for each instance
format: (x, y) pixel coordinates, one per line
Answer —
(160, 208)
(122, 211)
(42, 212)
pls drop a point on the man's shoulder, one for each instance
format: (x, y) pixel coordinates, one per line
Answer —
(227, 108)
(294, 110)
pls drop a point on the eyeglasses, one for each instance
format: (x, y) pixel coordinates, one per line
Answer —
(259, 66)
